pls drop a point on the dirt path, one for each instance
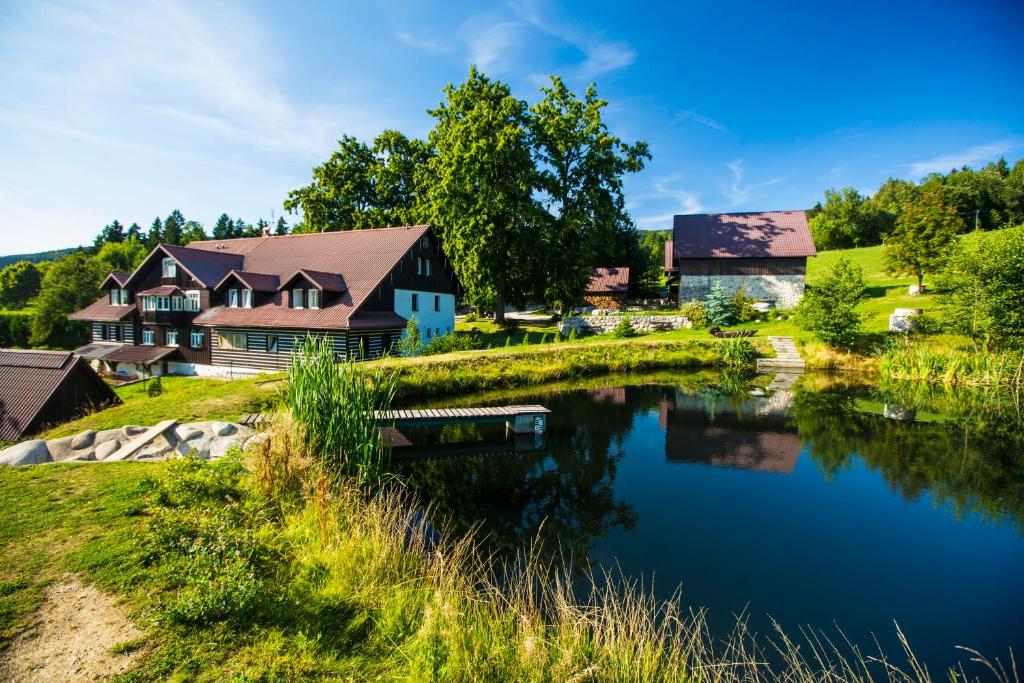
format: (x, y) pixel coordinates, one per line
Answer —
(73, 638)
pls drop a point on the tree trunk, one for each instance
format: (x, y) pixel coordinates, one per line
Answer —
(920, 283)
(499, 301)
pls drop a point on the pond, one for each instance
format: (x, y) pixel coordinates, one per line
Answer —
(819, 505)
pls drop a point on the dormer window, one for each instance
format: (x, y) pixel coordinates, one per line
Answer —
(246, 298)
(297, 298)
(232, 298)
(314, 298)
(115, 297)
(170, 268)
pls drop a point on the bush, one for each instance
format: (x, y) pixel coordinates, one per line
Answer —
(15, 328)
(155, 387)
(828, 309)
(694, 312)
(718, 306)
(736, 353)
(742, 306)
(471, 318)
(449, 343)
(624, 329)
(411, 342)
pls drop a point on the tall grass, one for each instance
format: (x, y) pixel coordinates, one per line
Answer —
(974, 367)
(736, 353)
(332, 404)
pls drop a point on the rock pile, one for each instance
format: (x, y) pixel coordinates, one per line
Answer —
(208, 440)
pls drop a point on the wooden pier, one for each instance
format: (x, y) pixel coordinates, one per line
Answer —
(520, 419)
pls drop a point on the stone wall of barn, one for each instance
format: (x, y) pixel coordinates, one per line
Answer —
(784, 290)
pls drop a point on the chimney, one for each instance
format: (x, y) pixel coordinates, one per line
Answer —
(266, 231)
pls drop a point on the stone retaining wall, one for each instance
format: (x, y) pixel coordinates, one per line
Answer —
(603, 324)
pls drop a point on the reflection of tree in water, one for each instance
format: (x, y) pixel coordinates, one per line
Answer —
(973, 460)
(561, 494)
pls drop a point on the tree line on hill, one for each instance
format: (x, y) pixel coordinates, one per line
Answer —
(525, 199)
(991, 197)
(175, 229)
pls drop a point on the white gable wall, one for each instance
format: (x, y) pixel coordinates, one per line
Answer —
(431, 322)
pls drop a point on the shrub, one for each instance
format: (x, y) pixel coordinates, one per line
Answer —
(742, 306)
(15, 328)
(411, 342)
(718, 306)
(736, 353)
(155, 387)
(625, 328)
(471, 318)
(828, 309)
(694, 312)
(449, 343)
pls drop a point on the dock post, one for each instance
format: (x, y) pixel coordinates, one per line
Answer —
(528, 423)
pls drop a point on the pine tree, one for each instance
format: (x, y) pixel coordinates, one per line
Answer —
(114, 232)
(156, 233)
(240, 228)
(223, 228)
(261, 226)
(718, 305)
(282, 227)
(134, 233)
(174, 227)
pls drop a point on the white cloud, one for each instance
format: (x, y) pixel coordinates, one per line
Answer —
(969, 157)
(425, 41)
(685, 201)
(690, 115)
(491, 45)
(736, 192)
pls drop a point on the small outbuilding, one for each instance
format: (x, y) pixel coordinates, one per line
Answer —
(764, 251)
(608, 288)
(40, 388)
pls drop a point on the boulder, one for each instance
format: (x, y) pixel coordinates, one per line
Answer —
(107, 435)
(60, 449)
(187, 432)
(107, 448)
(223, 428)
(84, 440)
(26, 453)
(133, 430)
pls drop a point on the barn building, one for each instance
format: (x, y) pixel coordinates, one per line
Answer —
(41, 388)
(765, 251)
(607, 288)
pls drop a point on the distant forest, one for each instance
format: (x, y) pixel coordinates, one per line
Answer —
(37, 257)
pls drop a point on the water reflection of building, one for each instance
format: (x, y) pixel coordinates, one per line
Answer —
(750, 433)
(615, 395)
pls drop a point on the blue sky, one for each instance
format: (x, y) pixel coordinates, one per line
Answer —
(128, 110)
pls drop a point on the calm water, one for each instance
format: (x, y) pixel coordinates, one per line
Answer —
(809, 506)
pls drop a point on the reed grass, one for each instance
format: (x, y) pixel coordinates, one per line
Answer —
(966, 367)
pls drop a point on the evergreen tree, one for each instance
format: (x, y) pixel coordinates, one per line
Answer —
(156, 233)
(261, 227)
(282, 226)
(174, 228)
(240, 229)
(718, 306)
(223, 229)
(114, 232)
(134, 233)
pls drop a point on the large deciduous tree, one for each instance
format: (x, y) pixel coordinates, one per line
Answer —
(829, 308)
(580, 169)
(121, 256)
(845, 220)
(71, 284)
(480, 191)
(920, 241)
(19, 282)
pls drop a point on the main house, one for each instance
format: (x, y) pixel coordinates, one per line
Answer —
(235, 307)
(766, 252)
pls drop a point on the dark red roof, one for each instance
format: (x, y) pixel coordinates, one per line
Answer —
(142, 353)
(613, 280)
(209, 267)
(327, 282)
(764, 234)
(162, 290)
(103, 311)
(28, 381)
(258, 282)
(118, 277)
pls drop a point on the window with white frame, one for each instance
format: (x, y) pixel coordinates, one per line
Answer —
(314, 298)
(148, 337)
(232, 340)
(177, 303)
(426, 266)
(170, 268)
(148, 303)
(246, 298)
(124, 297)
(297, 298)
(115, 297)
(232, 298)
(163, 303)
(192, 296)
(196, 339)
(419, 266)
(171, 338)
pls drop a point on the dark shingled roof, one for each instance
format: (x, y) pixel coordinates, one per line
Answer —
(258, 282)
(209, 267)
(613, 280)
(103, 311)
(29, 380)
(143, 353)
(162, 290)
(118, 277)
(351, 262)
(764, 234)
